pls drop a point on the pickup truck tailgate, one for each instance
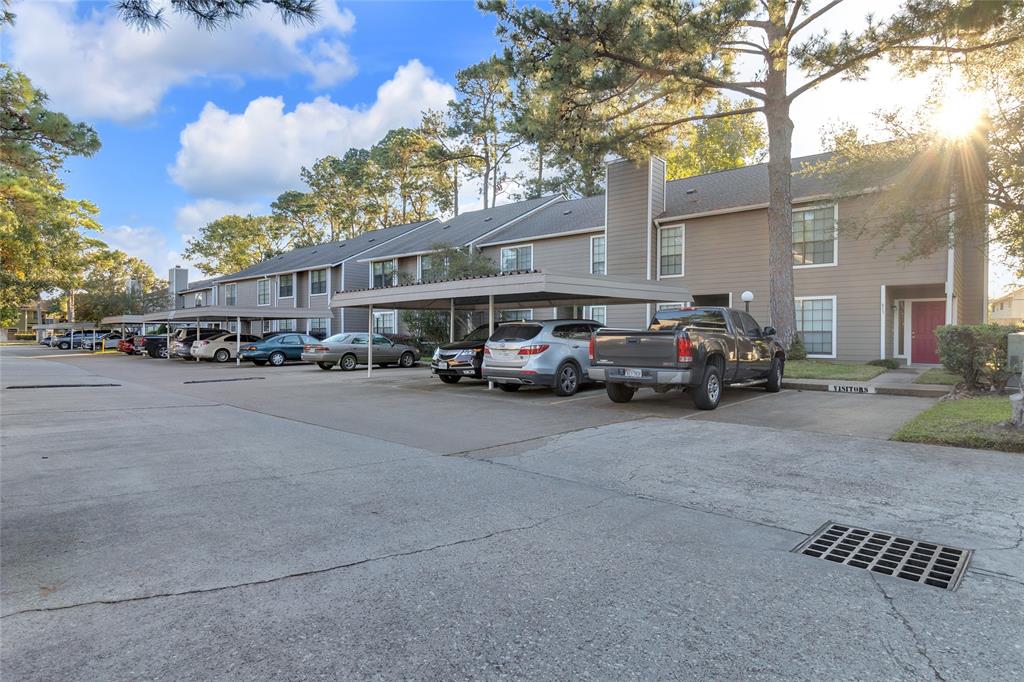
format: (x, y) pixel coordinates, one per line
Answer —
(627, 348)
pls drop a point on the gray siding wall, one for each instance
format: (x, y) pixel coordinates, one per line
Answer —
(356, 276)
(570, 255)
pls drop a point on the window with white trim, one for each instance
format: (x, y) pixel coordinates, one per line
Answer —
(317, 282)
(598, 255)
(514, 258)
(230, 294)
(286, 286)
(263, 292)
(816, 323)
(385, 274)
(286, 326)
(597, 313)
(318, 327)
(199, 301)
(670, 251)
(433, 268)
(513, 315)
(385, 322)
(814, 236)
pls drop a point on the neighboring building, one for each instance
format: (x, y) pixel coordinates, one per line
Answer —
(709, 231)
(1007, 309)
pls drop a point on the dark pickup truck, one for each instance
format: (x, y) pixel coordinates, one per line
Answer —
(698, 350)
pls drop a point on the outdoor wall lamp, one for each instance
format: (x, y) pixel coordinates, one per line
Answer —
(747, 297)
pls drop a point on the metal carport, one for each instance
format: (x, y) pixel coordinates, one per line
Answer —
(533, 288)
(224, 313)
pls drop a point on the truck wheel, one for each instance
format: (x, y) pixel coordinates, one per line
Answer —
(774, 384)
(708, 393)
(567, 380)
(619, 393)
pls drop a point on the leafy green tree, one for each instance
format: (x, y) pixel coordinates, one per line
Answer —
(631, 70)
(41, 230)
(297, 210)
(147, 14)
(115, 283)
(447, 154)
(232, 243)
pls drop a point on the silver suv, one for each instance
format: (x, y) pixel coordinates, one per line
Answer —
(549, 353)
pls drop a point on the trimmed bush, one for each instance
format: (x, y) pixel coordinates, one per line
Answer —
(976, 353)
(25, 337)
(796, 349)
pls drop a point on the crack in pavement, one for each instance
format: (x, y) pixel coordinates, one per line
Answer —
(898, 615)
(312, 572)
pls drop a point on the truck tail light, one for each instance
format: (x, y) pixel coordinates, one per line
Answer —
(535, 349)
(684, 350)
(592, 350)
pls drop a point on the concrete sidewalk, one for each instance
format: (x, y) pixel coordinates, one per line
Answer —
(894, 382)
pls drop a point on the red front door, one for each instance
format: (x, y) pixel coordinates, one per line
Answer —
(925, 316)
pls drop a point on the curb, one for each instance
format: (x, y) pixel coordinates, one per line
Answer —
(909, 391)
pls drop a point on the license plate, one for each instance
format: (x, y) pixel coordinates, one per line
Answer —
(633, 373)
(444, 365)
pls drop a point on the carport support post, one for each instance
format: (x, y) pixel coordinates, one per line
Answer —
(197, 337)
(238, 340)
(369, 343)
(451, 321)
(490, 327)
(167, 328)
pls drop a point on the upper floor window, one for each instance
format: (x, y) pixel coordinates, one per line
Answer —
(597, 255)
(231, 294)
(670, 251)
(199, 300)
(514, 315)
(385, 274)
(433, 268)
(318, 282)
(814, 236)
(263, 292)
(515, 258)
(286, 286)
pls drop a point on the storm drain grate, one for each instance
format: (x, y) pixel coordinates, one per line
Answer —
(920, 562)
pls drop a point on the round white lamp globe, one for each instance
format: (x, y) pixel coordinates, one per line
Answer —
(747, 296)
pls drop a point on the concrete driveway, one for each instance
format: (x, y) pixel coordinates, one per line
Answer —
(301, 524)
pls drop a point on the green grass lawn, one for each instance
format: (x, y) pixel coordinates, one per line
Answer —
(965, 423)
(937, 375)
(823, 369)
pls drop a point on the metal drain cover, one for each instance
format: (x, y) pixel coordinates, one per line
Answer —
(928, 563)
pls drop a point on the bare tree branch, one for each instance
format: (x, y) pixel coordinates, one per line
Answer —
(812, 16)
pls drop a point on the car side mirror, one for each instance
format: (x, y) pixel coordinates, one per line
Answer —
(768, 331)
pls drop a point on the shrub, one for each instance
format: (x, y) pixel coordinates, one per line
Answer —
(976, 353)
(888, 363)
(25, 337)
(796, 349)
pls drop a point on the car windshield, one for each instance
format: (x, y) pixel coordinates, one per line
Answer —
(515, 332)
(478, 334)
(337, 338)
(688, 317)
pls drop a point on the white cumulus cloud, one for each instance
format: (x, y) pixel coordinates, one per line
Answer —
(93, 65)
(259, 152)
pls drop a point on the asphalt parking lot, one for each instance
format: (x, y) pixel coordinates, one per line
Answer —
(297, 523)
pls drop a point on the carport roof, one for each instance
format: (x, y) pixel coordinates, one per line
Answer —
(532, 288)
(123, 319)
(228, 312)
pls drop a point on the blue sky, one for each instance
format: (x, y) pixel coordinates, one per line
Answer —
(197, 124)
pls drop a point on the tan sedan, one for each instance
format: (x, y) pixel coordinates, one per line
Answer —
(349, 350)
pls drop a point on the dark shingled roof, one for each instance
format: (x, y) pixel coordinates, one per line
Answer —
(324, 254)
(199, 285)
(746, 186)
(459, 231)
(565, 216)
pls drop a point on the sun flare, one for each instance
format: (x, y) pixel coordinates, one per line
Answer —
(959, 114)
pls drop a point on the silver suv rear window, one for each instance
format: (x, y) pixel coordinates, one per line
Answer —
(515, 332)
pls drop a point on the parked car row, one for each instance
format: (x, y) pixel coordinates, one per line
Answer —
(699, 350)
(87, 340)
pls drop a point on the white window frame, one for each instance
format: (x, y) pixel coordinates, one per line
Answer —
(327, 281)
(269, 297)
(835, 237)
(588, 313)
(682, 265)
(233, 327)
(670, 305)
(381, 313)
(292, 295)
(527, 316)
(501, 256)
(835, 325)
(604, 270)
(232, 298)
(327, 329)
(394, 271)
(419, 265)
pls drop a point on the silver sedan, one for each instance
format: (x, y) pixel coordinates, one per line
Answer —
(349, 350)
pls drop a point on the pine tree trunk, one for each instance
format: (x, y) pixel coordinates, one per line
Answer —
(455, 186)
(781, 305)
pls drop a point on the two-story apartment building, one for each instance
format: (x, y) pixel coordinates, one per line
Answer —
(1008, 308)
(854, 302)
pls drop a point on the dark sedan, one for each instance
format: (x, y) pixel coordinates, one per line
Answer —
(276, 350)
(462, 358)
